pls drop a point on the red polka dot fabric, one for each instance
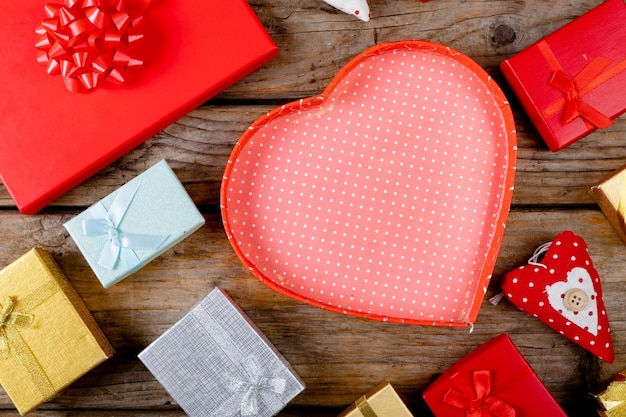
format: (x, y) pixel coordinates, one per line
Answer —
(384, 197)
(563, 290)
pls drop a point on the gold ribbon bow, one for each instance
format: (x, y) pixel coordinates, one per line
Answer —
(15, 315)
(9, 318)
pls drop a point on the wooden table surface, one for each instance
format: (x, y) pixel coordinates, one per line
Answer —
(338, 357)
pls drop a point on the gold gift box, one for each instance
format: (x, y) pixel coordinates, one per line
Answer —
(612, 400)
(382, 401)
(48, 338)
(608, 193)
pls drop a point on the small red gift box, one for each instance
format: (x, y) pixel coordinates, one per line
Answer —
(493, 380)
(183, 51)
(572, 81)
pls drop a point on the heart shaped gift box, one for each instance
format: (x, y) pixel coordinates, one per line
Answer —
(385, 196)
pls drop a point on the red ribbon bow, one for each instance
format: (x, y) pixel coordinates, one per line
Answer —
(90, 41)
(483, 404)
(574, 88)
(593, 75)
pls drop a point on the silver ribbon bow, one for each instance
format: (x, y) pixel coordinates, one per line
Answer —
(248, 380)
(253, 385)
(119, 244)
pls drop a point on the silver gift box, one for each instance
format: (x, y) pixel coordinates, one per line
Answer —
(214, 362)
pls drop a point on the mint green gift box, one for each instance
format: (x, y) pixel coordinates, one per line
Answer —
(130, 227)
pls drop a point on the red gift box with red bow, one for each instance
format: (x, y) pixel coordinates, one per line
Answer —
(493, 380)
(86, 81)
(571, 82)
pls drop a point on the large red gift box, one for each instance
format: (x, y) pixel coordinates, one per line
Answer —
(573, 81)
(492, 380)
(52, 139)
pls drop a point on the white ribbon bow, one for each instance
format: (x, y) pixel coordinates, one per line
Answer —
(253, 385)
(119, 244)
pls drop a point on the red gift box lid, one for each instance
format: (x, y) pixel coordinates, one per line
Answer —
(51, 139)
(494, 378)
(590, 55)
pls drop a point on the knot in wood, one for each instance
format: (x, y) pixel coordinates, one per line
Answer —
(503, 35)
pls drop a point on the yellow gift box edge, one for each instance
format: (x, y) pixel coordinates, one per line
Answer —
(55, 276)
(606, 193)
(612, 399)
(79, 305)
(383, 400)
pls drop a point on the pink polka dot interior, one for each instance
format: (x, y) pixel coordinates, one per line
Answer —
(381, 197)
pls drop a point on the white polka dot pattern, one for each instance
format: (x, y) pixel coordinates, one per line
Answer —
(382, 197)
(564, 291)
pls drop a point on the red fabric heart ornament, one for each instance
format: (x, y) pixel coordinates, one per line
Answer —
(563, 290)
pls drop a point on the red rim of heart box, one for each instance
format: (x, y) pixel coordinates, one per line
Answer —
(508, 149)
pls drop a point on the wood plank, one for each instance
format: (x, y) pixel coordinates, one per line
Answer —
(316, 40)
(338, 357)
(198, 146)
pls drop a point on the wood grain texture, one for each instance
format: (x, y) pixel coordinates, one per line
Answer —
(338, 357)
(197, 148)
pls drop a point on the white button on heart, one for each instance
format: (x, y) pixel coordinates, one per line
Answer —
(575, 299)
